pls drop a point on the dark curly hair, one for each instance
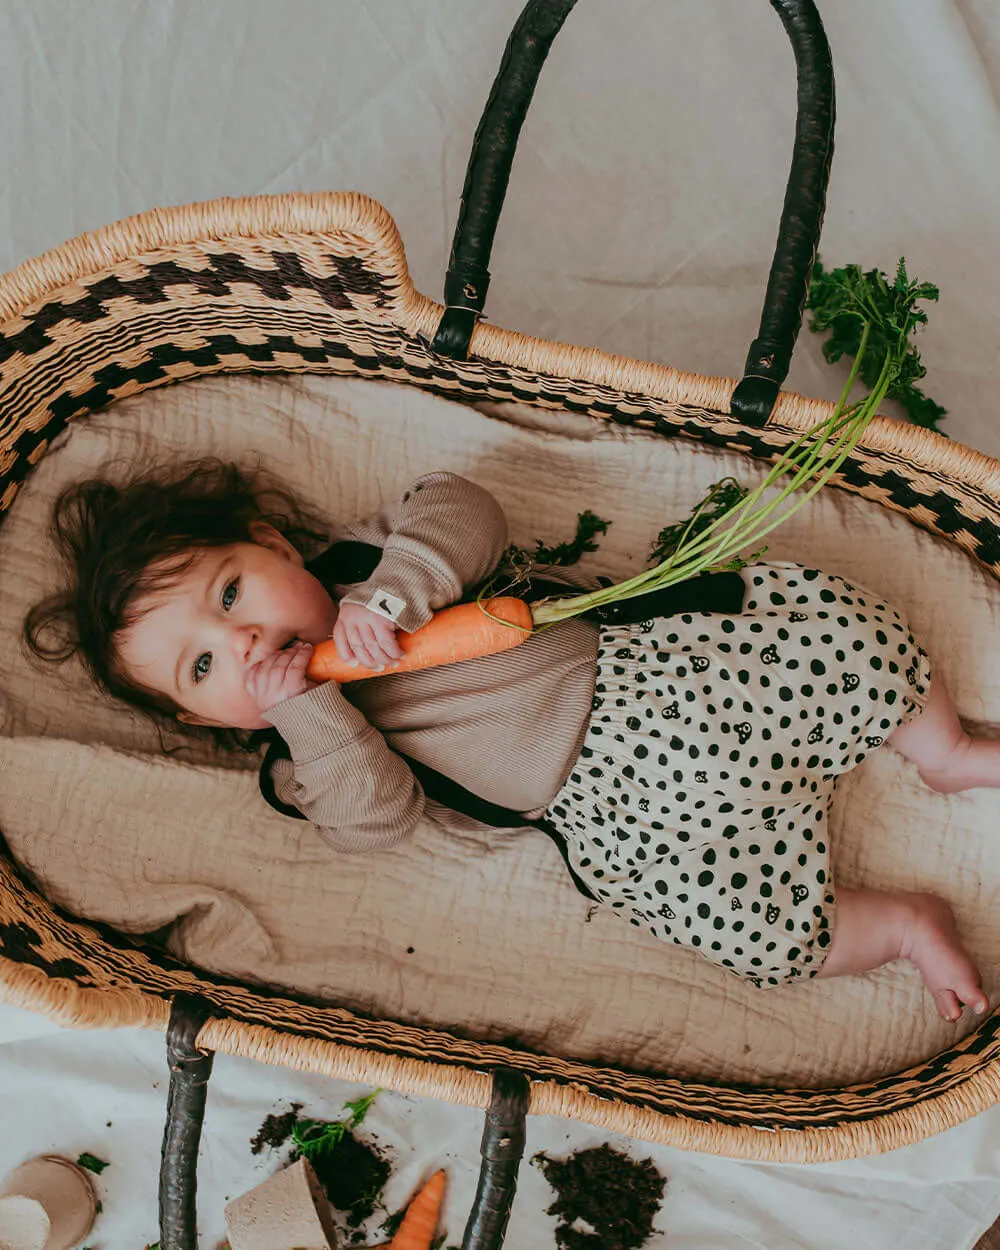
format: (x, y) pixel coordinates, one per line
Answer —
(121, 541)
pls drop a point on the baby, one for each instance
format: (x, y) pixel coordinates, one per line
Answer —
(684, 763)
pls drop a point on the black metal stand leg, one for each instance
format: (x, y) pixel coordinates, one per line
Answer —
(190, 1069)
(502, 1148)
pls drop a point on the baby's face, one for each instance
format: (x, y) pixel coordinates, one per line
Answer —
(232, 607)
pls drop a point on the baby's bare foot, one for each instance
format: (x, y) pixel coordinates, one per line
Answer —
(933, 944)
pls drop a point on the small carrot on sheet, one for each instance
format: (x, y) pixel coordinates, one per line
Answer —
(420, 1221)
(461, 632)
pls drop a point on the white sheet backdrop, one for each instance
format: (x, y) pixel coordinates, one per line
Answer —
(641, 218)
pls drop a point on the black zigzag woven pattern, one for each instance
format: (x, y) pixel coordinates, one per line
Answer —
(349, 285)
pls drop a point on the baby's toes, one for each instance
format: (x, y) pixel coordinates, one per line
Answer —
(970, 994)
(949, 1008)
(974, 997)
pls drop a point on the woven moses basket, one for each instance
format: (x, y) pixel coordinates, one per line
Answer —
(319, 283)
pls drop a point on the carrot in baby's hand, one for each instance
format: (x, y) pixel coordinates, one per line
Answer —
(461, 632)
(420, 1221)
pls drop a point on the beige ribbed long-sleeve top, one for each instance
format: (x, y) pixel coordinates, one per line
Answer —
(508, 727)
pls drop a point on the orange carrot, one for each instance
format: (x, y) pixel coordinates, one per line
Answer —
(457, 633)
(420, 1221)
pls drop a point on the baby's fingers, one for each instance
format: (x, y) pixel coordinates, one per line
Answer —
(344, 642)
(367, 648)
(387, 641)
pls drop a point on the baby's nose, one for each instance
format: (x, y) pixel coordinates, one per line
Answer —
(245, 641)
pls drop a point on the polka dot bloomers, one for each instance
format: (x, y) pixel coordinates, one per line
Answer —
(698, 806)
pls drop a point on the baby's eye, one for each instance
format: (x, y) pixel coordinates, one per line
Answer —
(229, 599)
(201, 666)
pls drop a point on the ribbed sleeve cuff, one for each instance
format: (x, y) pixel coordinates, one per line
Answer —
(317, 723)
(401, 589)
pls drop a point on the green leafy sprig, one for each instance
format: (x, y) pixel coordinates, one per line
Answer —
(91, 1163)
(722, 496)
(517, 566)
(315, 1138)
(587, 525)
(844, 301)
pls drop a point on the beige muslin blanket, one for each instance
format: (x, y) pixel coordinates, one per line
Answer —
(479, 929)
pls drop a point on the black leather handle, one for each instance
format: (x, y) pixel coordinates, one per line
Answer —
(190, 1069)
(502, 1148)
(801, 216)
(798, 233)
(488, 172)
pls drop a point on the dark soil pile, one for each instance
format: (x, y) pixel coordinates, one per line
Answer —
(604, 1199)
(353, 1174)
(275, 1130)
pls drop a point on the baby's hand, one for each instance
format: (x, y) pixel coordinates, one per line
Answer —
(280, 676)
(364, 637)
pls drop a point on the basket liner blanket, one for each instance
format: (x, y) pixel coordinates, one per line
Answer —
(480, 931)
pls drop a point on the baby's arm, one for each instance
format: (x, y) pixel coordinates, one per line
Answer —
(443, 534)
(342, 775)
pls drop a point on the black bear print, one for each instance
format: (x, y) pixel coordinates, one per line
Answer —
(799, 892)
(797, 616)
(816, 735)
(770, 654)
(772, 913)
(743, 731)
(701, 777)
(735, 905)
(666, 912)
(644, 805)
(911, 674)
(698, 663)
(875, 741)
(770, 825)
(851, 681)
(646, 626)
(597, 702)
(672, 711)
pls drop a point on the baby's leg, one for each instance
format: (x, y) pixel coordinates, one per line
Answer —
(948, 759)
(872, 928)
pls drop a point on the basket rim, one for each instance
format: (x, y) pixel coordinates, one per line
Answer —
(73, 1006)
(321, 212)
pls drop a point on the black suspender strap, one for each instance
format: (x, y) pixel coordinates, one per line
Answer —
(436, 786)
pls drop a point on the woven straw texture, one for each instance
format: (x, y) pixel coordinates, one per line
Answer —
(319, 283)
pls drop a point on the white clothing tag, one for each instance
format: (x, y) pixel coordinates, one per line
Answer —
(386, 605)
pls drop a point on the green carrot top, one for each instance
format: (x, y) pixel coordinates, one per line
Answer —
(869, 316)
